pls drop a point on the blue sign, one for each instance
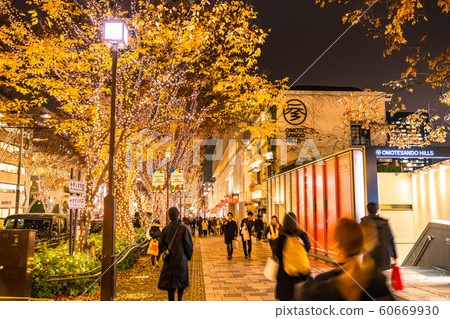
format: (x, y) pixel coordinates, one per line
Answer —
(397, 153)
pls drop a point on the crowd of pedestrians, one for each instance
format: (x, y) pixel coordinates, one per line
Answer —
(364, 251)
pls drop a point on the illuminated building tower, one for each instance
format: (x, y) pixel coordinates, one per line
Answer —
(402, 127)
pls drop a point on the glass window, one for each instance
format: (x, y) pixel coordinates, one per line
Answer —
(55, 226)
(9, 224)
(63, 226)
(359, 135)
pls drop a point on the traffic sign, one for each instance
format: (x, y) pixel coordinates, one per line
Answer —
(76, 187)
(76, 202)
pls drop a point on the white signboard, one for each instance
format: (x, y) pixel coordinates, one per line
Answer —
(76, 202)
(257, 194)
(76, 187)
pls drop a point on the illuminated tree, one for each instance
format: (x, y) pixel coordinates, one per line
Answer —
(189, 70)
(399, 24)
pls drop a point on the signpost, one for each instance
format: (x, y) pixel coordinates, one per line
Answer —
(76, 202)
(77, 187)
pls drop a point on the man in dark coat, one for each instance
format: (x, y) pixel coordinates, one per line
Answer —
(246, 226)
(230, 232)
(384, 248)
(199, 226)
(175, 273)
(259, 227)
(353, 279)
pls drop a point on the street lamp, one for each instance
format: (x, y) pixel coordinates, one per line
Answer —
(116, 33)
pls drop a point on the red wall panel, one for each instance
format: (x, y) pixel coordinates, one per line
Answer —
(331, 200)
(310, 220)
(320, 207)
(344, 187)
(301, 204)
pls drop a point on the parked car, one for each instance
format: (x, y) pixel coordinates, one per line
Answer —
(50, 228)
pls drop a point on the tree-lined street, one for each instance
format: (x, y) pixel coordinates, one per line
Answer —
(152, 104)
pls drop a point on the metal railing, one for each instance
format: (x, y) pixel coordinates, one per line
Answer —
(422, 250)
(96, 272)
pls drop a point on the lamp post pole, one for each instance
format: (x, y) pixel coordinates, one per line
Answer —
(109, 268)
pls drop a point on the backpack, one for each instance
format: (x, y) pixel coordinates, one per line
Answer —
(295, 258)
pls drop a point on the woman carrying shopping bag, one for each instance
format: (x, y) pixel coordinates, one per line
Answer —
(155, 233)
(286, 279)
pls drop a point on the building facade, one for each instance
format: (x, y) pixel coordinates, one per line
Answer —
(310, 129)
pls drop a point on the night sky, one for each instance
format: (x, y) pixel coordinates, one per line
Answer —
(301, 31)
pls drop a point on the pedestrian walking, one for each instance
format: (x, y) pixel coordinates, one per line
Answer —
(209, 220)
(213, 226)
(155, 234)
(285, 282)
(219, 226)
(384, 247)
(205, 227)
(354, 278)
(259, 227)
(273, 230)
(177, 240)
(230, 231)
(199, 227)
(137, 220)
(193, 224)
(186, 222)
(246, 234)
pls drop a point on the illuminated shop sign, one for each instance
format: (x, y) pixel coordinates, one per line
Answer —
(257, 194)
(404, 153)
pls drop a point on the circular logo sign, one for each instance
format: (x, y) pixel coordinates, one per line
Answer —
(295, 112)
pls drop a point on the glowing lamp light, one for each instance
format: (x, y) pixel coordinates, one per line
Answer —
(115, 31)
(256, 164)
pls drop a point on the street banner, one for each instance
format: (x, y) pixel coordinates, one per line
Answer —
(176, 181)
(158, 184)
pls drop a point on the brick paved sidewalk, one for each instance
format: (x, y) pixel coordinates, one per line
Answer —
(213, 277)
(140, 283)
(239, 279)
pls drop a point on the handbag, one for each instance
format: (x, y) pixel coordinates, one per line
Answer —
(295, 257)
(153, 247)
(271, 269)
(396, 280)
(166, 254)
(245, 233)
(235, 244)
